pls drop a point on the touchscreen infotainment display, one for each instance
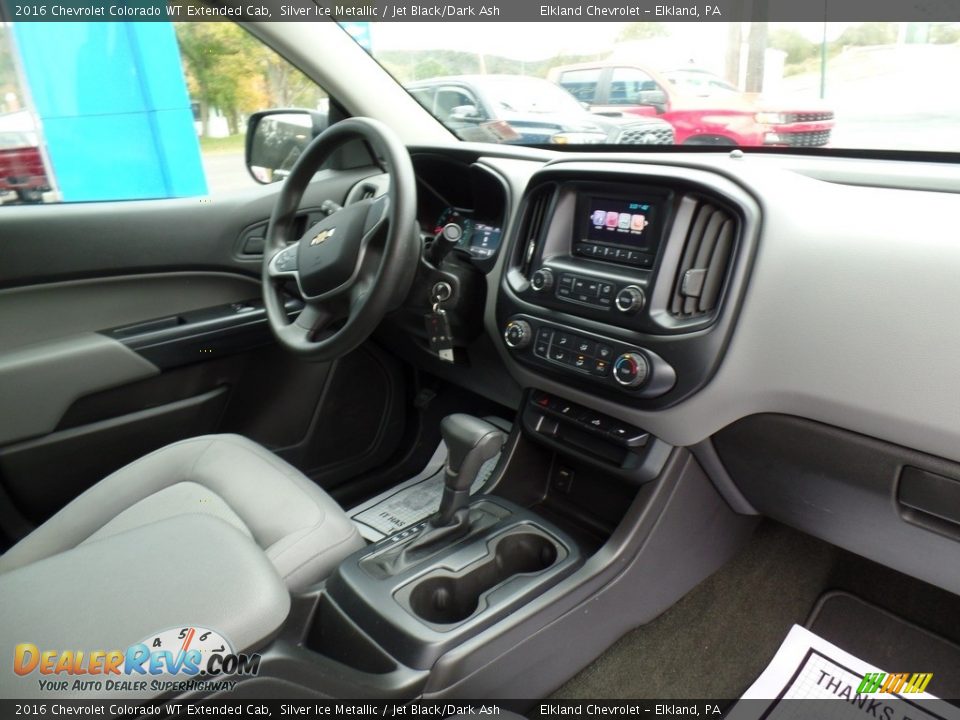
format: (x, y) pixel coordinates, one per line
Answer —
(630, 223)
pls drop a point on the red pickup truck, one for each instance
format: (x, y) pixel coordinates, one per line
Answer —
(703, 109)
(21, 167)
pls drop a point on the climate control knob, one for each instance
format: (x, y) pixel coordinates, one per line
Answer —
(631, 369)
(518, 334)
(542, 280)
(630, 299)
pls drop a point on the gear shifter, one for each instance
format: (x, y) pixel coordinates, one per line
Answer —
(470, 443)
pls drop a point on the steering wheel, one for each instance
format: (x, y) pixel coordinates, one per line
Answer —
(355, 265)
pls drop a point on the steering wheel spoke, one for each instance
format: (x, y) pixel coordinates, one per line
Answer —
(314, 319)
(283, 264)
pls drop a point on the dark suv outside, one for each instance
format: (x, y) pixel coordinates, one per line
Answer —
(528, 111)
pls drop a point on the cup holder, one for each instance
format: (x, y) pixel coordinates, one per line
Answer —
(446, 600)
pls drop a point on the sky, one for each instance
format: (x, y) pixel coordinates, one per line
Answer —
(530, 41)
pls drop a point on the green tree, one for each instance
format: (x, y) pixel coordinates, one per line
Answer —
(945, 33)
(8, 73)
(871, 33)
(220, 61)
(794, 44)
(230, 70)
(642, 31)
(428, 67)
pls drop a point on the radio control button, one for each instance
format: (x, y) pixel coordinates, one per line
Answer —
(590, 288)
(630, 299)
(542, 279)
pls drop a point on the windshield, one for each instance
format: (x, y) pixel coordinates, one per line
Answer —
(799, 85)
(528, 95)
(700, 82)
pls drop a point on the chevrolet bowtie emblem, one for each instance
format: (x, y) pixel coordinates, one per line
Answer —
(323, 236)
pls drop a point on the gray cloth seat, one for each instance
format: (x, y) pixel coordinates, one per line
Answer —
(303, 532)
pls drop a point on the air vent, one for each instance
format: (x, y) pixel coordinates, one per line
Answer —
(368, 192)
(703, 266)
(531, 229)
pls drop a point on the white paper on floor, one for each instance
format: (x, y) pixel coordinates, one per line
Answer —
(807, 667)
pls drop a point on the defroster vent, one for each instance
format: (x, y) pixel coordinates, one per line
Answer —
(703, 266)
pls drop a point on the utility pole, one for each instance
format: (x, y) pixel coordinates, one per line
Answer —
(734, 43)
(757, 48)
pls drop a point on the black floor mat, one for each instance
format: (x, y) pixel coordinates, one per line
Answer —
(887, 641)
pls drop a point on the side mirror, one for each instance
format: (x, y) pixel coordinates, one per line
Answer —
(276, 138)
(465, 113)
(655, 98)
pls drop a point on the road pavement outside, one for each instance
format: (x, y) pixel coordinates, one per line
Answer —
(226, 172)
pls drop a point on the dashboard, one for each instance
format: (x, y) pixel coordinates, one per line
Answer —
(752, 308)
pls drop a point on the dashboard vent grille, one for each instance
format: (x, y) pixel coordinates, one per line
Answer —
(368, 192)
(531, 229)
(703, 266)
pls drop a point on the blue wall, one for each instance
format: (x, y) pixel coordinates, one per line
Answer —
(116, 115)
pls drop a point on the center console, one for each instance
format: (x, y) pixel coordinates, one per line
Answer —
(419, 611)
(622, 279)
(423, 591)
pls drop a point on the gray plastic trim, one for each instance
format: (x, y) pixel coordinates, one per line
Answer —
(38, 383)
(706, 455)
(46, 312)
(843, 487)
